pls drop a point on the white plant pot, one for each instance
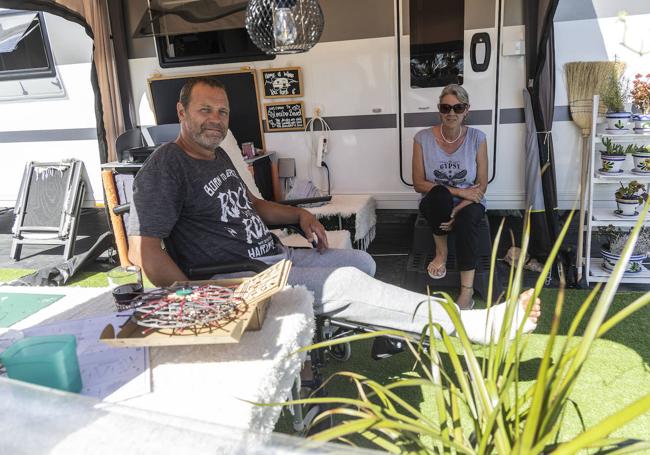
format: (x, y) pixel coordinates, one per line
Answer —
(634, 265)
(618, 122)
(641, 122)
(641, 162)
(627, 207)
(611, 163)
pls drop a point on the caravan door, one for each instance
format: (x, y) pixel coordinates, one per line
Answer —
(444, 42)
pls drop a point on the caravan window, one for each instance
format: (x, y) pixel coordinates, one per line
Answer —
(24, 47)
(436, 33)
(199, 33)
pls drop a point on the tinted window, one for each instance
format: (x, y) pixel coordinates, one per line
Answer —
(436, 33)
(219, 46)
(24, 48)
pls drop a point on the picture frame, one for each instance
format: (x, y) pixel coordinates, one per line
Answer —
(285, 116)
(282, 82)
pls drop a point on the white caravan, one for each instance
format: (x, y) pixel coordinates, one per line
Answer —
(363, 79)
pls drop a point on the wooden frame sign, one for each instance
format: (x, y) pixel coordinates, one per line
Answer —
(282, 82)
(288, 116)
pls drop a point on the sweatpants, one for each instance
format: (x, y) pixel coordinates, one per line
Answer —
(344, 287)
(436, 207)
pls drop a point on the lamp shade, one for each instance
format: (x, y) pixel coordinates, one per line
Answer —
(284, 26)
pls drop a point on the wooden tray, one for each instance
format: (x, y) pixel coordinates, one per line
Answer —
(255, 291)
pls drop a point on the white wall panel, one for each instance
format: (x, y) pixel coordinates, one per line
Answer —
(76, 110)
(16, 155)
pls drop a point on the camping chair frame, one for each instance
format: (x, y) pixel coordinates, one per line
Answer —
(65, 232)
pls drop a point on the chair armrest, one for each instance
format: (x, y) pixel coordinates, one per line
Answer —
(309, 200)
(290, 227)
(122, 208)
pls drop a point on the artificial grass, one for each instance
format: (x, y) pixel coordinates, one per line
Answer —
(616, 373)
(81, 279)
(7, 275)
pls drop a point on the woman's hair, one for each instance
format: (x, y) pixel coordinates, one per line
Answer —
(456, 90)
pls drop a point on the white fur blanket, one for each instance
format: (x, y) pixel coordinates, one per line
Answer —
(345, 205)
(336, 239)
(210, 383)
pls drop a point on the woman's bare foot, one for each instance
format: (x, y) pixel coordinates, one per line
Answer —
(464, 300)
(437, 268)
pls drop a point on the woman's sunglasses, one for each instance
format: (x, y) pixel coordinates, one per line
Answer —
(446, 108)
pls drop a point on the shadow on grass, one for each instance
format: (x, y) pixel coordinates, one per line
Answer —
(631, 332)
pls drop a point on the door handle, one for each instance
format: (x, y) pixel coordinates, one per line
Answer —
(480, 51)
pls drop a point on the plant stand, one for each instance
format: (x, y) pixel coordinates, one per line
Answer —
(593, 268)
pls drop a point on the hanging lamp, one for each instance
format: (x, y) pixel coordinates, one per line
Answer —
(284, 26)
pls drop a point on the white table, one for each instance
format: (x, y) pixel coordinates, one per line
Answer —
(210, 383)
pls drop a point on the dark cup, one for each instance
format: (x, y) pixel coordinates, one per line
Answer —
(124, 294)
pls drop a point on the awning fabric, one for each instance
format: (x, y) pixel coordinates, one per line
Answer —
(13, 28)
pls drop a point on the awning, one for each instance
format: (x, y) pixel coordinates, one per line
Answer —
(13, 28)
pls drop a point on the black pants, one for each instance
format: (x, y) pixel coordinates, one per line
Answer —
(436, 207)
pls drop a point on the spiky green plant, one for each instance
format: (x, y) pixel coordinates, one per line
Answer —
(505, 417)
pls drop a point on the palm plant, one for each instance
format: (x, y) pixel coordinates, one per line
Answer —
(504, 417)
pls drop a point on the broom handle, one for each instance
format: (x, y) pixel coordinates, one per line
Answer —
(581, 222)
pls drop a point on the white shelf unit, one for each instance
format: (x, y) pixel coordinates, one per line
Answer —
(593, 268)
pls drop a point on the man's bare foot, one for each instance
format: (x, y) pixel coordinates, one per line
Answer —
(483, 326)
(437, 268)
(535, 312)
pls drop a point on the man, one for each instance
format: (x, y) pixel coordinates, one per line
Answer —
(190, 195)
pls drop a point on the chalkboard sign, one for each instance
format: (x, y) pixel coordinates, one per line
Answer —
(285, 116)
(245, 113)
(282, 82)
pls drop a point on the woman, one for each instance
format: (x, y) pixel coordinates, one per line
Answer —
(450, 170)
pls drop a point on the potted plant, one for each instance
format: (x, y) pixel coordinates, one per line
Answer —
(482, 404)
(612, 157)
(641, 156)
(615, 240)
(641, 99)
(628, 198)
(614, 93)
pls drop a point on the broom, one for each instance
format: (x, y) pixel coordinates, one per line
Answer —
(584, 80)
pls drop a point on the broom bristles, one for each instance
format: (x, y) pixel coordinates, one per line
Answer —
(584, 80)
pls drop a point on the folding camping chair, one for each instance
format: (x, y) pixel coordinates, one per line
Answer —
(48, 206)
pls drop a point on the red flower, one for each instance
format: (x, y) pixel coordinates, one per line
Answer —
(641, 92)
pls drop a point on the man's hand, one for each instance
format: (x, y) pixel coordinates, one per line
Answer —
(473, 193)
(310, 225)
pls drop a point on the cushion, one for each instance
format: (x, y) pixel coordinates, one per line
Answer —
(229, 145)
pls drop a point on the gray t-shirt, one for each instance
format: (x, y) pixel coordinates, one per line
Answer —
(457, 169)
(199, 207)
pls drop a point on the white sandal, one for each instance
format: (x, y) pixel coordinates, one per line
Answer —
(438, 277)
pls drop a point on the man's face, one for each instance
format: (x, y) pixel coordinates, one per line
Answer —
(205, 120)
